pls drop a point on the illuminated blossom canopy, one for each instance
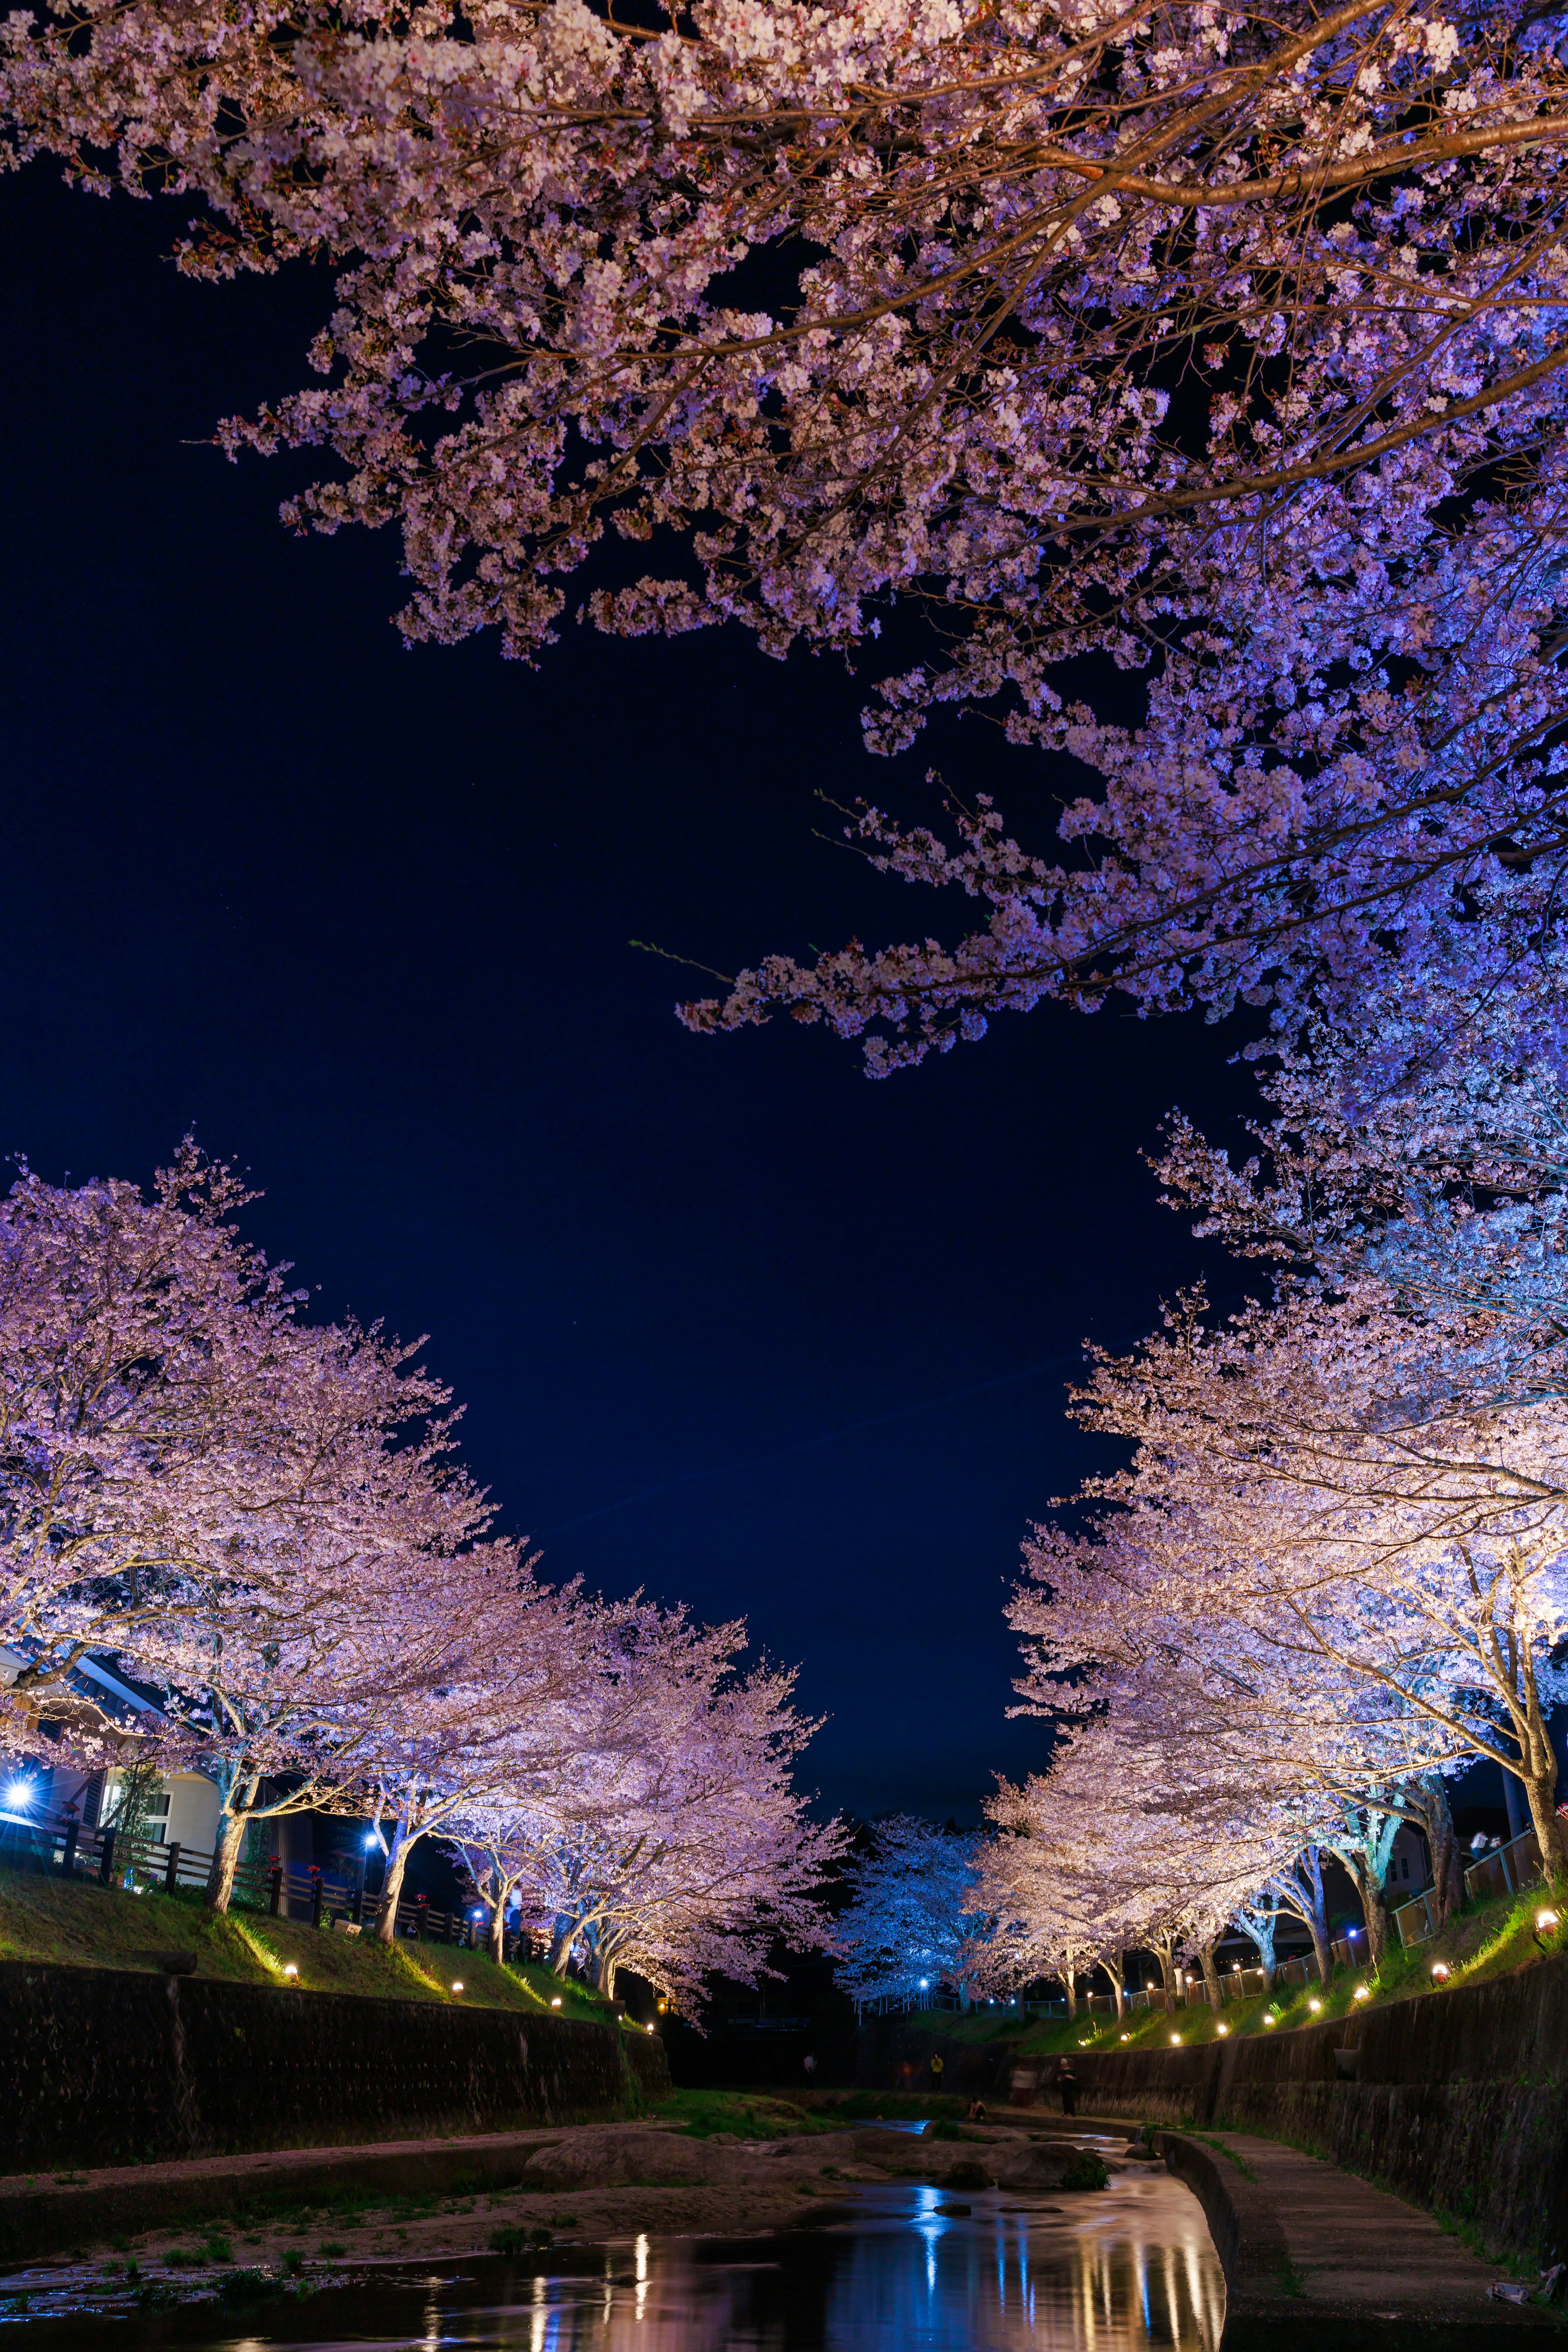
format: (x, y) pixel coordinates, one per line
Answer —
(1221, 343)
(263, 1522)
(912, 1911)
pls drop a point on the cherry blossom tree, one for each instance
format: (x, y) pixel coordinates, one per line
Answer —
(1128, 1841)
(1294, 1541)
(685, 1848)
(1257, 1916)
(913, 1917)
(180, 1452)
(1219, 345)
(498, 1725)
(135, 1337)
(1299, 1891)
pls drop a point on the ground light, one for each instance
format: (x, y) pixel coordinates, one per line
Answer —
(1314, 2006)
(1439, 1970)
(1127, 2037)
(1545, 1922)
(649, 2029)
(1222, 2030)
(457, 1986)
(1364, 1992)
(556, 2002)
(1175, 2040)
(290, 1970)
(1271, 2020)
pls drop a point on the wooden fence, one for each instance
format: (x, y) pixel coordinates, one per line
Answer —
(1506, 1870)
(64, 1848)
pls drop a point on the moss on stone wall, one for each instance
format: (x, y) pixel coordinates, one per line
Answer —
(105, 2065)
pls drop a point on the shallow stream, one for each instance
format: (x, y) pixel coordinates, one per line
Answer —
(1115, 2271)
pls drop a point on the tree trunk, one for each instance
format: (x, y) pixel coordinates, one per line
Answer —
(1261, 1926)
(1540, 1788)
(561, 1944)
(1537, 1768)
(1536, 1772)
(602, 1966)
(231, 1832)
(1117, 1988)
(1370, 1833)
(1165, 1954)
(1210, 1967)
(1073, 1991)
(1448, 1868)
(392, 1886)
(497, 1939)
(1373, 1903)
(1300, 1890)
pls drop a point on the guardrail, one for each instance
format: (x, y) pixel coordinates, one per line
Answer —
(65, 1848)
(1506, 1870)
(59, 1847)
(1234, 1984)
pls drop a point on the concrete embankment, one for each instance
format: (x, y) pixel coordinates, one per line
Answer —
(1316, 2260)
(1456, 2100)
(111, 2065)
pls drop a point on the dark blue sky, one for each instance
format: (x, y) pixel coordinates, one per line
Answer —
(731, 1323)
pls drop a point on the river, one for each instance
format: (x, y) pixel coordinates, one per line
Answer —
(894, 2269)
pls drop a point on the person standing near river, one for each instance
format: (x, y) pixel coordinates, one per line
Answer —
(1066, 2084)
(936, 2070)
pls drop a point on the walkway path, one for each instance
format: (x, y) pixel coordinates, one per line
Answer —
(1314, 2256)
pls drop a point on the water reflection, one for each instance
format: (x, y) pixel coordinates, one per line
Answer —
(1127, 2268)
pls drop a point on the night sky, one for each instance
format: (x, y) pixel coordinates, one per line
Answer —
(731, 1324)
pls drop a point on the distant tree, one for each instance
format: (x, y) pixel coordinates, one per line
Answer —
(913, 1914)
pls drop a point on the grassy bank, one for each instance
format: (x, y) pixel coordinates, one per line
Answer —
(762, 2114)
(1491, 1939)
(77, 1924)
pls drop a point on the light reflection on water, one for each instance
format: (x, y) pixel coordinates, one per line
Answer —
(1120, 2270)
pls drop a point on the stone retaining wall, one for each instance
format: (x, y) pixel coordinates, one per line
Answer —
(1458, 2099)
(108, 2066)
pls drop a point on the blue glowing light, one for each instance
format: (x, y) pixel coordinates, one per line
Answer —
(372, 1839)
(18, 1795)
